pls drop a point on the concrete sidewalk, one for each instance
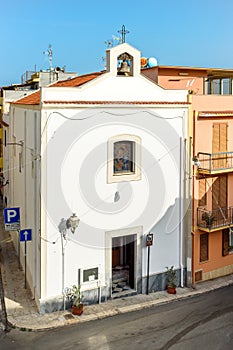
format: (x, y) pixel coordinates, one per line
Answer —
(21, 308)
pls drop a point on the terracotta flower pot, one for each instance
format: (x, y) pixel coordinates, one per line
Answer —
(171, 290)
(77, 310)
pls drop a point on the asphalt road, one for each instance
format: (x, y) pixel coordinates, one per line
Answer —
(203, 322)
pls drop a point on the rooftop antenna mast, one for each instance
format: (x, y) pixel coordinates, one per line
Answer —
(49, 52)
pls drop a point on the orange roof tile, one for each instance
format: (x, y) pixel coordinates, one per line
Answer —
(34, 98)
(77, 81)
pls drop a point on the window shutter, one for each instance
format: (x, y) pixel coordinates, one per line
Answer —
(219, 192)
(219, 144)
(202, 193)
(225, 241)
(215, 138)
(223, 191)
(215, 193)
(223, 137)
(204, 247)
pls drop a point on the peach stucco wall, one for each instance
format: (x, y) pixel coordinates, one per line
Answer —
(203, 129)
(212, 102)
(181, 82)
(216, 260)
(177, 78)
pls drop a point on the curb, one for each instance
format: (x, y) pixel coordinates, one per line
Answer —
(71, 319)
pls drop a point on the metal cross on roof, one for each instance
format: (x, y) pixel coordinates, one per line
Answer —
(123, 31)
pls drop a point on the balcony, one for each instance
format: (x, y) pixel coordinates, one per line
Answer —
(212, 220)
(215, 163)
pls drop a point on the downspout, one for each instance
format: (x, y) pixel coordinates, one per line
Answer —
(180, 217)
(36, 201)
(25, 191)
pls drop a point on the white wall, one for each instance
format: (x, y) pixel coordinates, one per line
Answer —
(76, 181)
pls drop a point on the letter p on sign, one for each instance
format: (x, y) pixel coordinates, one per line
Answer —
(12, 213)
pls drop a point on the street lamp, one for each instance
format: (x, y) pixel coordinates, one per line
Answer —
(65, 225)
(72, 223)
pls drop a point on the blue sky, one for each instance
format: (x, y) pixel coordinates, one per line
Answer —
(183, 33)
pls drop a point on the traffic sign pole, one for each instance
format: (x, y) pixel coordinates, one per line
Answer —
(25, 235)
(25, 264)
(18, 249)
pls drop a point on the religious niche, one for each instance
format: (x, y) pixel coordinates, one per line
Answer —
(125, 64)
(123, 157)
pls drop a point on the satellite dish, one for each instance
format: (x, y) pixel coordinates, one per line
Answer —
(152, 62)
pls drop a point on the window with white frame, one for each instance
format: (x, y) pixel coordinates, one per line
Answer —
(124, 158)
(218, 86)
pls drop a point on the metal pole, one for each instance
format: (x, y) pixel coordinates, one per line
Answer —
(25, 264)
(148, 271)
(18, 250)
(63, 271)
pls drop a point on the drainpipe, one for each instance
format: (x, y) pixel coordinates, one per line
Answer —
(180, 216)
(36, 201)
(24, 150)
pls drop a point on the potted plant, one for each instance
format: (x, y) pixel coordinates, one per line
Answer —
(208, 218)
(75, 295)
(171, 280)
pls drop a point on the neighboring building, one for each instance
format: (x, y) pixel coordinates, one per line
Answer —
(110, 147)
(212, 104)
(31, 81)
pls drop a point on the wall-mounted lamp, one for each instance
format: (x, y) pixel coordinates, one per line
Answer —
(196, 161)
(71, 223)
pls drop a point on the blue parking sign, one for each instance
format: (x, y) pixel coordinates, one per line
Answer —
(12, 219)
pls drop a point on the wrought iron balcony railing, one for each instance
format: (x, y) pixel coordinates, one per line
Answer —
(212, 163)
(212, 219)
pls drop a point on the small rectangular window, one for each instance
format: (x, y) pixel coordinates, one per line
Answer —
(226, 86)
(216, 86)
(20, 162)
(225, 242)
(90, 275)
(204, 247)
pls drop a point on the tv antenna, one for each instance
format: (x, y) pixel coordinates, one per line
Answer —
(49, 52)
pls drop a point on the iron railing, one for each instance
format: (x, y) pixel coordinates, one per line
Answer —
(217, 218)
(215, 161)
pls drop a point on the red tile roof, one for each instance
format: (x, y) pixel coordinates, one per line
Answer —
(34, 98)
(77, 81)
